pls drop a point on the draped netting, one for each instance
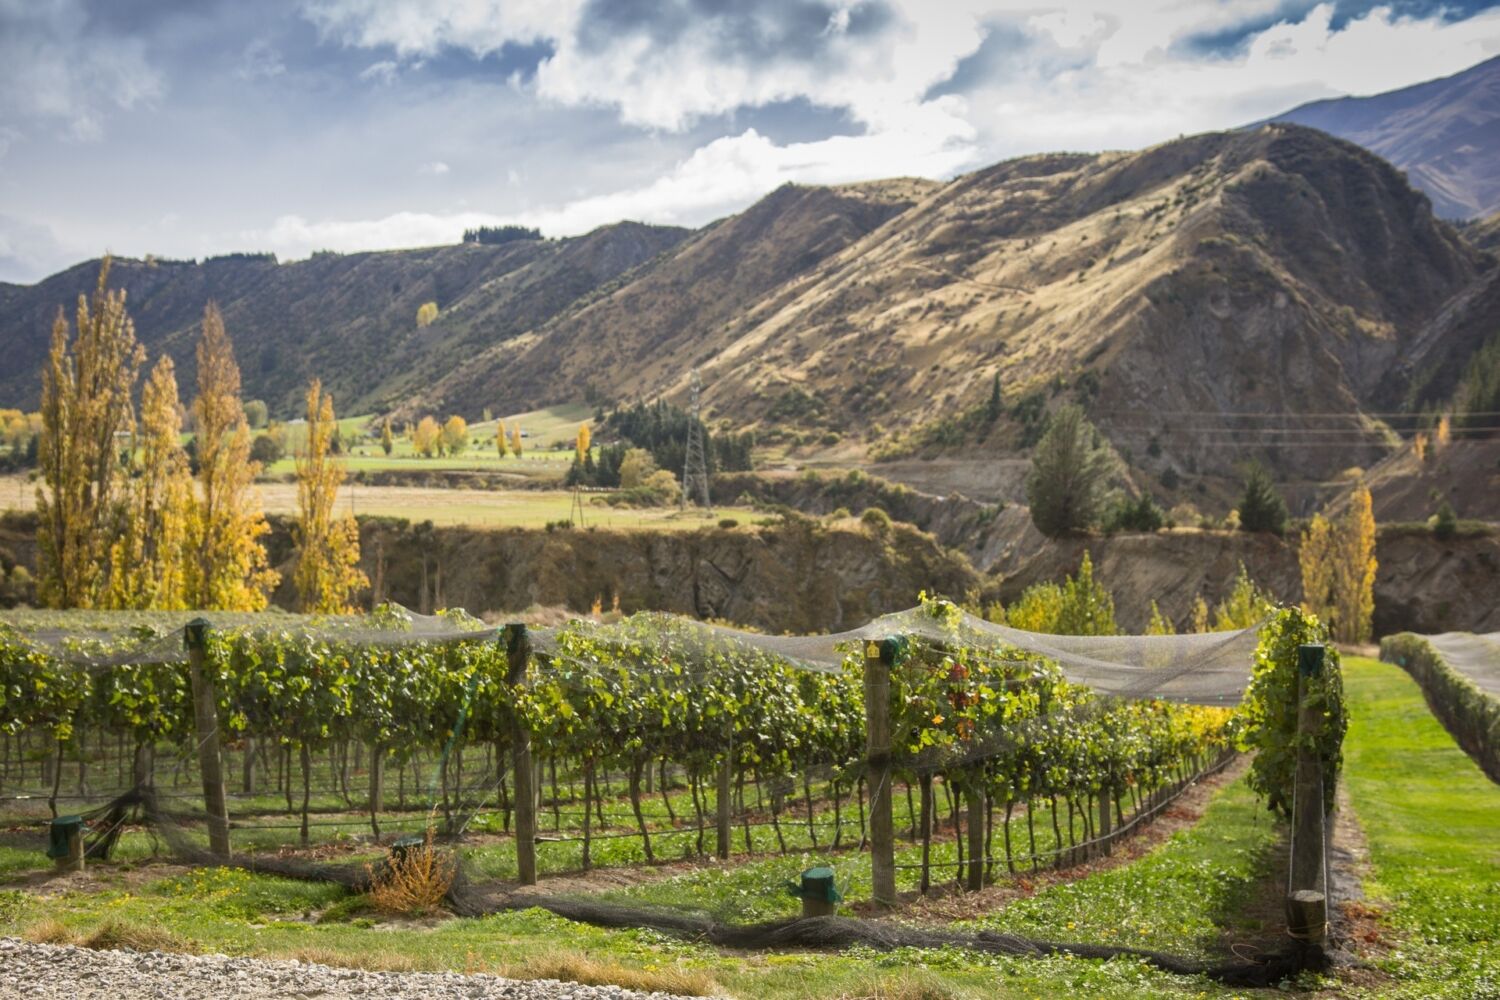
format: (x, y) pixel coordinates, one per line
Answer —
(1477, 657)
(1202, 668)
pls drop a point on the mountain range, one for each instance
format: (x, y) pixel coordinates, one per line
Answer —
(1273, 294)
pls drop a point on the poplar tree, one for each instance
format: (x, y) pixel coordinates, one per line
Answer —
(500, 437)
(1356, 568)
(149, 558)
(227, 567)
(86, 407)
(455, 435)
(387, 442)
(426, 437)
(515, 439)
(1338, 569)
(327, 574)
(581, 444)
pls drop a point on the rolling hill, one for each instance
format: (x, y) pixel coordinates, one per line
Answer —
(1444, 133)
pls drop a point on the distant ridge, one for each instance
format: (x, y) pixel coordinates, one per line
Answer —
(1444, 133)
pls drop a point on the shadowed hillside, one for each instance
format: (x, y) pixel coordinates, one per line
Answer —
(349, 319)
(1444, 133)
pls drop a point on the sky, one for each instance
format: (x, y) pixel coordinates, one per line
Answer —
(186, 128)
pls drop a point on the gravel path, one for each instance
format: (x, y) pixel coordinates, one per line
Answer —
(52, 972)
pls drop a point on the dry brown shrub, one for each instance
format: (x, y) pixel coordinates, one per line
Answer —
(414, 883)
(50, 931)
(113, 935)
(369, 961)
(575, 967)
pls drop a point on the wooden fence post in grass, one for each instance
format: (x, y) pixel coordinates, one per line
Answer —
(726, 775)
(518, 651)
(878, 657)
(206, 719)
(1307, 889)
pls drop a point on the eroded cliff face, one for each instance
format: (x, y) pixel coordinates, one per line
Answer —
(803, 576)
(799, 575)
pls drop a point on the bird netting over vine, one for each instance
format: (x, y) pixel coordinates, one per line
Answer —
(1206, 668)
(1477, 657)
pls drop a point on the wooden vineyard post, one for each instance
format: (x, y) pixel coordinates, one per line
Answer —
(1307, 891)
(518, 652)
(726, 769)
(977, 810)
(878, 657)
(206, 719)
(1105, 845)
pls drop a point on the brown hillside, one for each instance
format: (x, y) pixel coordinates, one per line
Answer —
(349, 319)
(684, 310)
(1274, 272)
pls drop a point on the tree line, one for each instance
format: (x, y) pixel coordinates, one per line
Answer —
(126, 519)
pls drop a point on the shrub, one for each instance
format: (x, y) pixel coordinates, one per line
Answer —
(1141, 514)
(728, 522)
(876, 518)
(1444, 522)
(414, 882)
(266, 449)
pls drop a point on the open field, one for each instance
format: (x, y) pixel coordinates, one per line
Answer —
(471, 508)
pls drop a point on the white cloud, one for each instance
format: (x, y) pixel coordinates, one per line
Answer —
(436, 168)
(1068, 74)
(384, 72)
(260, 61)
(51, 71)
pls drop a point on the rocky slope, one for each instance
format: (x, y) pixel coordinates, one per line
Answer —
(1444, 133)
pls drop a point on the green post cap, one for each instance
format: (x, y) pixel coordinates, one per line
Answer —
(1310, 658)
(195, 633)
(58, 833)
(817, 883)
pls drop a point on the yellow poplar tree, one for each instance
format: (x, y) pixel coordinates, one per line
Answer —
(86, 406)
(1338, 569)
(1355, 569)
(387, 442)
(425, 437)
(327, 573)
(455, 435)
(1200, 614)
(500, 437)
(1317, 557)
(1443, 434)
(581, 446)
(148, 560)
(227, 567)
(1159, 624)
(515, 439)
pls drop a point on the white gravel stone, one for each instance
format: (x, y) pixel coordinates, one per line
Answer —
(58, 972)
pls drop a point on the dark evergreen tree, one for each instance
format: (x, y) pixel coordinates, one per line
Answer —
(1261, 506)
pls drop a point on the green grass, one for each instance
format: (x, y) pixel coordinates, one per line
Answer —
(548, 445)
(1432, 820)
